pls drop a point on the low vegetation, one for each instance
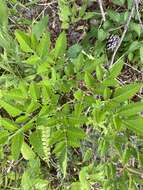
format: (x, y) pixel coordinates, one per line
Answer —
(71, 95)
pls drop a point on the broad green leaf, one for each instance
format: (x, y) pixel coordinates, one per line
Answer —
(22, 118)
(14, 94)
(89, 15)
(4, 43)
(29, 125)
(135, 125)
(44, 45)
(34, 91)
(130, 4)
(131, 109)
(16, 145)
(136, 27)
(27, 152)
(64, 13)
(83, 179)
(110, 82)
(119, 2)
(11, 109)
(75, 132)
(26, 182)
(8, 124)
(107, 93)
(36, 142)
(74, 143)
(53, 76)
(61, 45)
(39, 27)
(45, 94)
(115, 16)
(126, 156)
(98, 115)
(140, 158)
(111, 105)
(69, 70)
(23, 40)
(59, 147)
(107, 24)
(126, 92)
(99, 72)
(79, 63)
(89, 80)
(88, 155)
(3, 13)
(141, 54)
(49, 121)
(78, 94)
(111, 170)
(34, 42)
(33, 60)
(75, 186)
(130, 56)
(74, 135)
(101, 35)
(116, 68)
(77, 110)
(134, 46)
(32, 106)
(3, 136)
(83, 8)
(117, 122)
(56, 137)
(23, 86)
(74, 51)
(125, 16)
(43, 68)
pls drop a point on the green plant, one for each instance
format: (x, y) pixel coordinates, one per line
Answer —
(67, 122)
(49, 113)
(70, 12)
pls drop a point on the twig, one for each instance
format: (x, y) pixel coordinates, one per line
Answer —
(10, 166)
(134, 68)
(136, 2)
(117, 28)
(102, 10)
(132, 170)
(40, 14)
(48, 4)
(123, 35)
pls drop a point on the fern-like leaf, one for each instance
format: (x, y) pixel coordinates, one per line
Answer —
(46, 133)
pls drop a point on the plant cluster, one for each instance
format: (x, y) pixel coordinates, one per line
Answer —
(67, 121)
